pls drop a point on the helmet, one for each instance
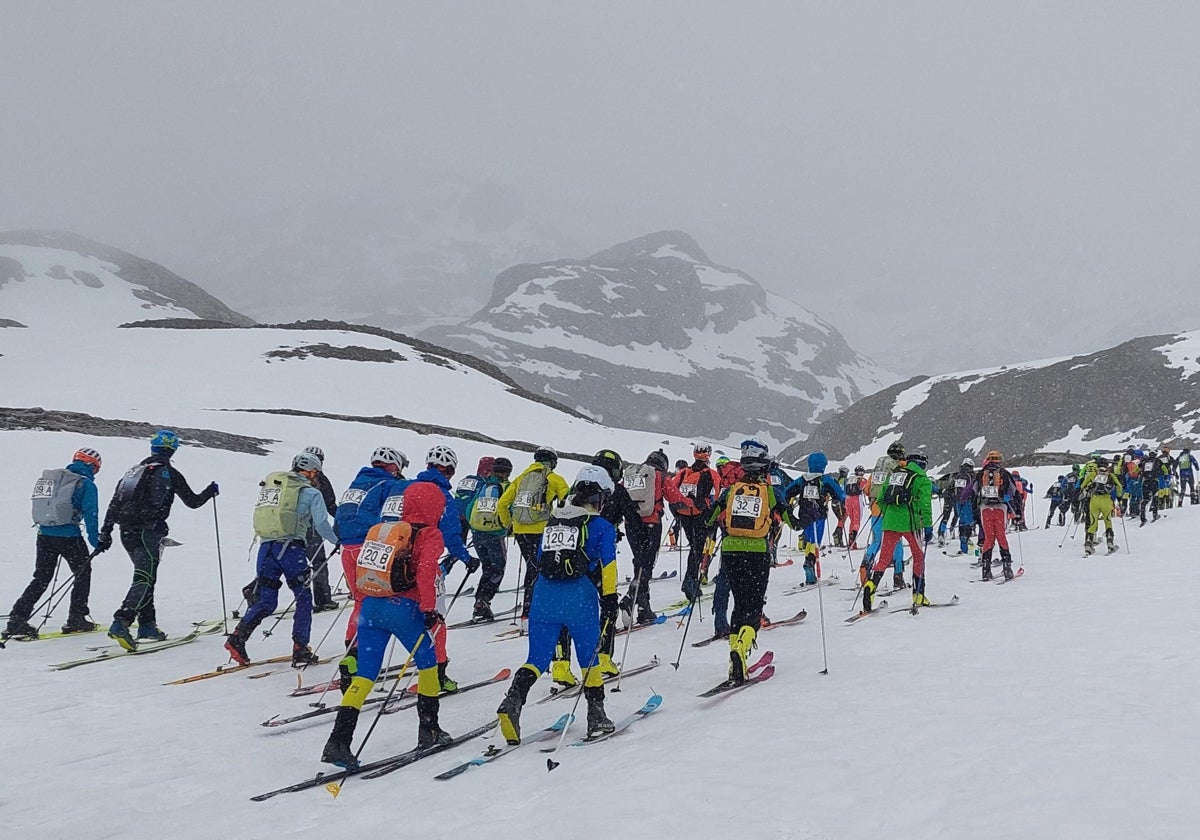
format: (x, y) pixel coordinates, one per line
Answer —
(859, 469)
(1101, 461)
(442, 456)
(387, 455)
(1166, 449)
(89, 456)
(896, 450)
(306, 462)
(967, 462)
(755, 464)
(546, 455)
(843, 470)
(1016, 473)
(502, 465)
(592, 485)
(658, 460)
(318, 451)
(611, 463)
(701, 451)
(993, 457)
(920, 459)
(164, 440)
(754, 449)
(681, 464)
(1140, 453)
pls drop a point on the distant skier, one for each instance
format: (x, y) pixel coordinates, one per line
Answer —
(318, 559)
(994, 487)
(650, 489)
(907, 505)
(1187, 479)
(815, 486)
(1101, 488)
(489, 535)
(525, 508)
(698, 483)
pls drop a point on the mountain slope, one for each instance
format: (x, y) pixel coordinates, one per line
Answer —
(1145, 390)
(651, 334)
(43, 272)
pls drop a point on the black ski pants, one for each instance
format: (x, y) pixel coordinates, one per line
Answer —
(49, 550)
(645, 554)
(528, 544)
(697, 532)
(145, 550)
(747, 572)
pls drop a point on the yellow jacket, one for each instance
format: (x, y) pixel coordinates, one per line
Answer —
(556, 492)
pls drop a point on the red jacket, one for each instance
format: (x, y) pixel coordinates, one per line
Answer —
(664, 489)
(424, 503)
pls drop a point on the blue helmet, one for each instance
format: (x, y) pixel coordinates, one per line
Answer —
(164, 441)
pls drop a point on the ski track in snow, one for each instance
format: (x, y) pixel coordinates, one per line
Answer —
(1060, 706)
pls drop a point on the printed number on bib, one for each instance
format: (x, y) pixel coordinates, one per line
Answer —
(393, 507)
(353, 497)
(486, 504)
(636, 482)
(43, 488)
(1100, 480)
(878, 477)
(960, 483)
(268, 497)
(688, 490)
(812, 491)
(560, 538)
(524, 498)
(468, 485)
(750, 506)
(989, 492)
(375, 555)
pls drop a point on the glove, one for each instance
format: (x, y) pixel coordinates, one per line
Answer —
(446, 565)
(620, 535)
(928, 535)
(213, 489)
(691, 588)
(608, 607)
(1007, 499)
(105, 542)
(432, 618)
(472, 564)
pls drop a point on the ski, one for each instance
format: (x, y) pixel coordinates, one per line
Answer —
(624, 723)
(208, 627)
(324, 661)
(118, 653)
(810, 587)
(1003, 580)
(471, 622)
(401, 760)
(414, 755)
(663, 576)
(660, 619)
(494, 751)
(787, 622)
(500, 676)
(728, 687)
(230, 668)
(556, 692)
(57, 634)
(861, 614)
(914, 609)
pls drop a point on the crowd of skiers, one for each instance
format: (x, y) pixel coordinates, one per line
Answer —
(398, 538)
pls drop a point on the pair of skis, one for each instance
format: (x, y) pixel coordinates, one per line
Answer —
(770, 625)
(761, 671)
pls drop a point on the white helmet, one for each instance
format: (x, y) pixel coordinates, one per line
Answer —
(598, 476)
(318, 451)
(442, 456)
(305, 462)
(387, 455)
(967, 462)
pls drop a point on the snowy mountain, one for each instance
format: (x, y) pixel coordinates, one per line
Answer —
(1145, 390)
(651, 334)
(55, 278)
(414, 255)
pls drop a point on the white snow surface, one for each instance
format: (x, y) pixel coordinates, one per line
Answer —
(1184, 353)
(1028, 711)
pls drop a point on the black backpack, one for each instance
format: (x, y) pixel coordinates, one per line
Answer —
(899, 488)
(142, 493)
(563, 557)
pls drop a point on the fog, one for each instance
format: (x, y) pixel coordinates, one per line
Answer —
(951, 184)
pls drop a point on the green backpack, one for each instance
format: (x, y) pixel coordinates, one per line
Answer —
(484, 514)
(275, 516)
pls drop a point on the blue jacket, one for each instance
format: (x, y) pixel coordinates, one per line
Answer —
(312, 504)
(826, 482)
(86, 500)
(451, 522)
(354, 518)
(381, 494)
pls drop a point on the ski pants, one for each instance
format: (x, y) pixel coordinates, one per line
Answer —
(645, 555)
(49, 550)
(966, 525)
(854, 518)
(876, 544)
(288, 560)
(571, 606)
(993, 519)
(145, 550)
(697, 532)
(1100, 507)
(947, 512)
(318, 561)
(379, 620)
(528, 545)
(747, 573)
(891, 541)
(1187, 483)
(491, 550)
(720, 604)
(350, 567)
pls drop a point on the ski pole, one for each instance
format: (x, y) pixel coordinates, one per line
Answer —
(335, 788)
(692, 607)
(337, 670)
(62, 593)
(821, 609)
(1020, 554)
(54, 588)
(458, 592)
(53, 593)
(520, 587)
(637, 584)
(550, 762)
(220, 569)
(1125, 534)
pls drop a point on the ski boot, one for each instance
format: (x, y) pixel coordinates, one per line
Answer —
(445, 683)
(325, 606)
(337, 749)
(303, 656)
(740, 645)
(606, 666)
(119, 631)
(986, 565)
(853, 538)
(250, 593)
(1007, 567)
(79, 625)
(509, 711)
(720, 634)
(941, 539)
(348, 668)
(646, 616)
(560, 672)
(235, 643)
(1089, 545)
(429, 733)
(20, 630)
(150, 633)
(898, 581)
(869, 591)
(598, 724)
(1109, 539)
(483, 612)
(919, 599)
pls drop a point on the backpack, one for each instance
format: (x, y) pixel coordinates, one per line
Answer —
(385, 565)
(142, 491)
(689, 483)
(466, 488)
(563, 557)
(1100, 483)
(747, 510)
(393, 508)
(275, 516)
(898, 491)
(640, 481)
(879, 476)
(529, 505)
(991, 483)
(53, 496)
(484, 513)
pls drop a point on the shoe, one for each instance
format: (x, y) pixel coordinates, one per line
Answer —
(606, 666)
(348, 668)
(1008, 572)
(647, 616)
(337, 749)
(740, 645)
(509, 711)
(483, 612)
(235, 643)
(119, 631)
(721, 634)
(326, 606)
(898, 582)
(919, 600)
(429, 733)
(150, 633)
(80, 625)
(868, 595)
(20, 629)
(303, 656)
(560, 672)
(626, 605)
(445, 683)
(598, 723)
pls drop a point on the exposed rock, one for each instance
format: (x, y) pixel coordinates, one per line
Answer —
(39, 419)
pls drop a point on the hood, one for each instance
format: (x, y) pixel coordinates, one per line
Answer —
(424, 504)
(569, 510)
(374, 473)
(81, 468)
(817, 462)
(485, 466)
(434, 477)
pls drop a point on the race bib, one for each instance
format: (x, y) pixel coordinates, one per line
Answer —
(393, 507)
(989, 492)
(1100, 480)
(812, 491)
(560, 538)
(774, 479)
(960, 483)
(43, 488)
(749, 506)
(900, 477)
(878, 477)
(688, 490)
(486, 504)
(268, 497)
(468, 485)
(353, 497)
(523, 499)
(636, 482)
(375, 555)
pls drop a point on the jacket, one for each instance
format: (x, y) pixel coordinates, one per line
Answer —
(918, 513)
(556, 492)
(152, 513)
(449, 524)
(354, 518)
(425, 505)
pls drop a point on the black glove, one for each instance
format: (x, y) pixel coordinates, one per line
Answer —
(213, 489)
(608, 607)
(472, 564)
(432, 618)
(691, 588)
(620, 535)
(105, 541)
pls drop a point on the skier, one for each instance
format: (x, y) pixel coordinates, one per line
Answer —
(318, 560)
(141, 505)
(814, 486)
(1187, 479)
(994, 489)
(883, 467)
(780, 481)
(839, 509)
(578, 566)
(649, 487)
(525, 508)
(698, 483)
(745, 510)
(962, 490)
(854, 496)
(1058, 501)
(1021, 491)
(62, 499)
(399, 590)
(464, 491)
(952, 492)
(489, 535)
(1100, 487)
(289, 503)
(1149, 480)
(907, 506)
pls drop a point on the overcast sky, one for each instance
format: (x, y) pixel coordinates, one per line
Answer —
(898, 167)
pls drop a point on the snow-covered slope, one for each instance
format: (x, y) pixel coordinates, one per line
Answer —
(1145, 390)
(60, 279)
(411, 256)
(651, 334)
